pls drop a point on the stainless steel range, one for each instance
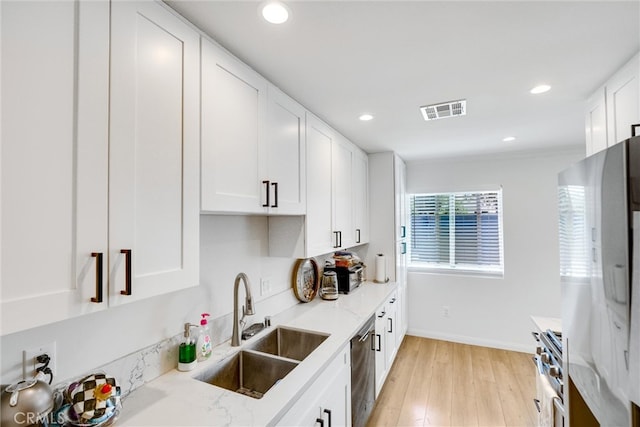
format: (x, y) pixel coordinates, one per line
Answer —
(549, 399)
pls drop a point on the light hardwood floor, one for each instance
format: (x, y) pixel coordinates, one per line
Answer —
(439, 383)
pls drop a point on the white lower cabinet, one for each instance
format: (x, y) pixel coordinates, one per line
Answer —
(327, 402)
(386, 339)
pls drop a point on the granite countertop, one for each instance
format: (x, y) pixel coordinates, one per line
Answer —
(176, 398)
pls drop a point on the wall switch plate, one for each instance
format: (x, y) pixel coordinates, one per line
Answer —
(30, 362)
(265, 286)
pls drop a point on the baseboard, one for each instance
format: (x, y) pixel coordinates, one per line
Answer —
(463, 339)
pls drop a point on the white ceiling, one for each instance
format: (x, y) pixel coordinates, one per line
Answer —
(388, 58)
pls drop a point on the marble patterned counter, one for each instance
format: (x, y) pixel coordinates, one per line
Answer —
(176, 398)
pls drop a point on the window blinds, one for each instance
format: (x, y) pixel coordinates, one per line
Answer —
(454, 230)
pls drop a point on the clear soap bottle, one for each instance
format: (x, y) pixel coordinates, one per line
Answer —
(204, 339)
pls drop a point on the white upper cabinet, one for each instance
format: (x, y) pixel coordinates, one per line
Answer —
(253, 149)
(154, 144)
(54, 124)
(234, 106)
(400, 179)
(596, 122)
(83, 179)
(623, 102)
(343, 230)
(284, 168)
(360, 197)
(319, 236)
(613, 108)
(336, 181)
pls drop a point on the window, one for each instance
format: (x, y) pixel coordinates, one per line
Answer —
(457, 231)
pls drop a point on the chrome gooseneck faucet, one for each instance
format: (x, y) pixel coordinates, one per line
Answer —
(247, 310)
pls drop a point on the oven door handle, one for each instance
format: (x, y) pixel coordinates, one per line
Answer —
(538, 362)
(557, 403)
(537, 403)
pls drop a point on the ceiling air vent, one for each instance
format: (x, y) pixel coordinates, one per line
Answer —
(444, 109)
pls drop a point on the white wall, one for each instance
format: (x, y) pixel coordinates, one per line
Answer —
(489, 311)
(229, 245)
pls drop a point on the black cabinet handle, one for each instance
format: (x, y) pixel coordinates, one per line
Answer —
(340, 237)
(381, 315)
(537, 403)
(633, 129)
(336, 244)
(373, 342)
(403, 231)
(379, 342)
(390, 325)
(127, 271)
(536, 336)
(275, 194)
(266, 190)
(321, 421)
(98, 257)
(328, 412)
(357, 235)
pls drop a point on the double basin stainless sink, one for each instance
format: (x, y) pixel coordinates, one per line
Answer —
(255, 369)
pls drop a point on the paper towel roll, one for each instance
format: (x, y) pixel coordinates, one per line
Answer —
(381, 269)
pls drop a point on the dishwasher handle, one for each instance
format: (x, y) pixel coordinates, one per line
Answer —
(364, 337)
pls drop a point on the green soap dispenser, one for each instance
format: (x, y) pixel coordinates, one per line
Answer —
(187, 350)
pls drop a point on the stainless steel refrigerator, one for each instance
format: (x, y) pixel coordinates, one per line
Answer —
(599, 226)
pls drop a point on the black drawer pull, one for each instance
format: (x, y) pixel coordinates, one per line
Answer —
(98, 257)
(127, 271)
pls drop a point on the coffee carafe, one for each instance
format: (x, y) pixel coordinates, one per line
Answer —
(329, 286)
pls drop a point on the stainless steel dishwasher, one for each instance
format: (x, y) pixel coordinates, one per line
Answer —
(363, 374)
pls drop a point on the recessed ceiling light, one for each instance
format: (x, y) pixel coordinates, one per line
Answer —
(275, 12)
(540, 89)
(366, 117)
(509, 139)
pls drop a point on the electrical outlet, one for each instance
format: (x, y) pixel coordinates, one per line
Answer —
(445, 311)
(265, 286)
(30, 362)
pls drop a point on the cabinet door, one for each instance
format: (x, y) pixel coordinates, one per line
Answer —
(361, 197)
(329, 395)
(336, 400)
(233, 112)
(55, 89)
(391, 329)
(153, 172)
(401, 278)
(285, 155)
(400, 190)
(379, 345)
(623, 105)
(596, 122)
(341, 167)
(319, 237)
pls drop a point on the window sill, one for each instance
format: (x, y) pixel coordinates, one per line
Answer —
(456, 272)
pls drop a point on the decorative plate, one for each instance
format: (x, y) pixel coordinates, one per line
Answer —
(306, 279)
